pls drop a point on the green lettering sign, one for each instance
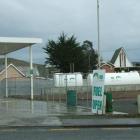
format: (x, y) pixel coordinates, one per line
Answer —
(97, 91)
(97, 104)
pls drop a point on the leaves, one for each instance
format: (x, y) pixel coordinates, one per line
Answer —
(67, 50)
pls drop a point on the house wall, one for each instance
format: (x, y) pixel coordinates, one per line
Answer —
(128, 63)
(117, 63)
(107, 68)
(12, 73)
(122, 60)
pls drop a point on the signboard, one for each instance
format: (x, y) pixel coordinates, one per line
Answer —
(98, 91)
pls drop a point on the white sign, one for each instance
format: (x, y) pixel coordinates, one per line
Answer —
(98, 91)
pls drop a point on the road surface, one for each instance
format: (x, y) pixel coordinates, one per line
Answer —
(69, 133)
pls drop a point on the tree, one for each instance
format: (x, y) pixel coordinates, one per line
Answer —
(91, 55)
(65, 51)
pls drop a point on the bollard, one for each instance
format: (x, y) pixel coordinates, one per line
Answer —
(109, 107)
(104, 104)
(71, 98)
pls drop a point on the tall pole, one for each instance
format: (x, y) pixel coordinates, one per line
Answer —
(31, 72)
(98, 32)
(89, 62)
(6, 76)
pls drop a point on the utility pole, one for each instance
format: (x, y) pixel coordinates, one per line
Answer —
(98, 32)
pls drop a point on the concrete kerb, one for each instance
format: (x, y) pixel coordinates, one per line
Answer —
(102, 122)
(102, 126)
(134, 122)
(79, 122)
(69, 126)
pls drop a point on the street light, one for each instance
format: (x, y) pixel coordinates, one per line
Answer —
(98, 32)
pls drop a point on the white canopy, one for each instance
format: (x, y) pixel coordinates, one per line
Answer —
(11, 44)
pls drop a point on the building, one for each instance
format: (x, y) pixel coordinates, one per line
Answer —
(17, 72)
(12, 72)
(120, 60)
(26, 71)
(108, 67)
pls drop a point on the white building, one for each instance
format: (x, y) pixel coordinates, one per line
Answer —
(120, 59)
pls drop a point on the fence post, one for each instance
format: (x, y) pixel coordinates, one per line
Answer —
(138, 102)
(47, 96)
(87, 98)
(53, 96)
(40, 94)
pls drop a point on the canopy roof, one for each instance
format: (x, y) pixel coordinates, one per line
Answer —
(11, 44)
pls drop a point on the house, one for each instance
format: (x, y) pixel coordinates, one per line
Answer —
(17, 72)
(107, 66)
(120, 59)
(26, 71)
(23, 66)
(12, 72)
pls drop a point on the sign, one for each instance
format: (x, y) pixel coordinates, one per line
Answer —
(98, 91)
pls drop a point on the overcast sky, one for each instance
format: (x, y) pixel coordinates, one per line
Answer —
(119, 23)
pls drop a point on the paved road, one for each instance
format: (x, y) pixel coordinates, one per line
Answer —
(70, 134)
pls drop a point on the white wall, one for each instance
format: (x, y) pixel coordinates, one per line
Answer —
(126, 78)
(68, 79)
(117, 62)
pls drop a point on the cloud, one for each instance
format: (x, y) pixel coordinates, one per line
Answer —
(119, 22)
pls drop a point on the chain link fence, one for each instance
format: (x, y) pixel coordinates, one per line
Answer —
(45, 89)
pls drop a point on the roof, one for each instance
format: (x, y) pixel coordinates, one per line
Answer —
(23, 70)
(26, 70)
(106, 63)
(16, 62)
(2, 67)
(3, 70)
(11, 44)
(115, 55)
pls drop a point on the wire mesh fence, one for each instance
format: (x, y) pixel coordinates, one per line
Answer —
(46, 89)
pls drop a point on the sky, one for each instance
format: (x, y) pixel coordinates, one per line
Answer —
(47, 19)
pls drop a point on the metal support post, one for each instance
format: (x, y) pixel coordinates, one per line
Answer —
(31, 72)
(6, 76)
